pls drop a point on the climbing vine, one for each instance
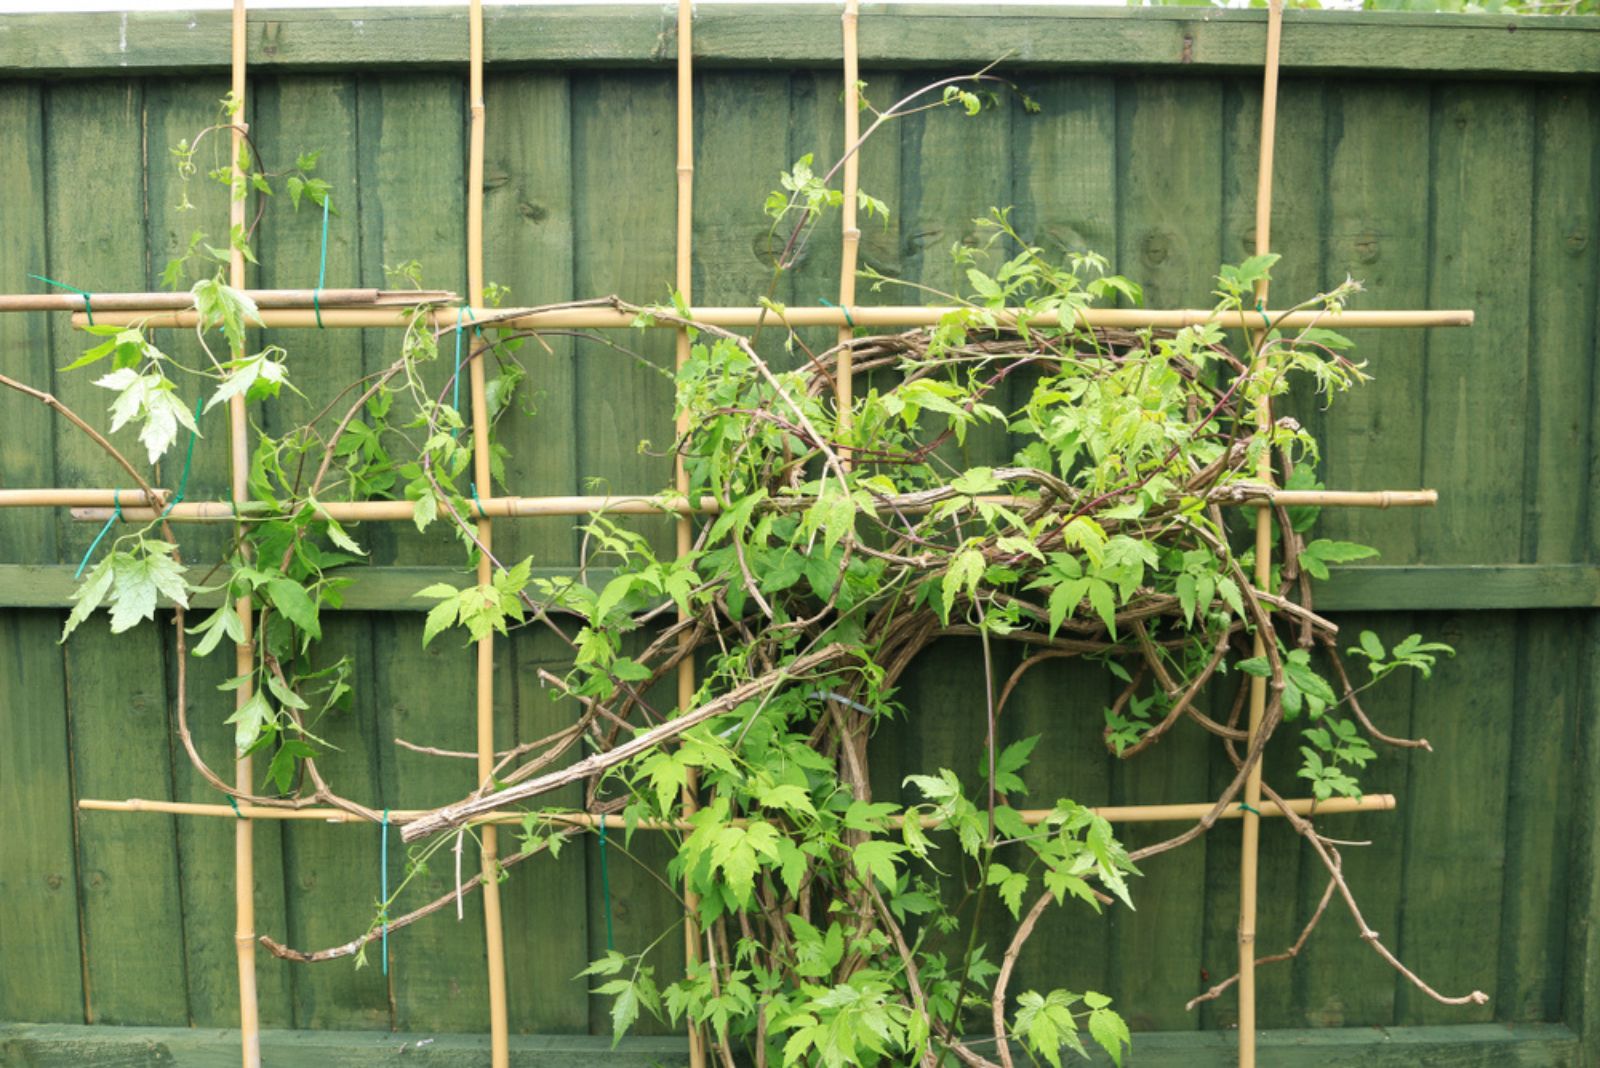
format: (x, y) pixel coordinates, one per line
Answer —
(838, 914)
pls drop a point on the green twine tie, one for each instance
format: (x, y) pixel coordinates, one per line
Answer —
(482, 513)
(455, 383)
(116, 514)
(1248, 808)
(1266, 323)
(847, 316)
(322, 268)
(384, 862)
(234, 801)
(88, 298)
(605, 886)
(183, 479)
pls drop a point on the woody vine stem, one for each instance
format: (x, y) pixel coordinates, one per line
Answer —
(838, 914)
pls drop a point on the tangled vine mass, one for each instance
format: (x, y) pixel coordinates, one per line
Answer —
(830, 548)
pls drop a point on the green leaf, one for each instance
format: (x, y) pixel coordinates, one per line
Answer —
(441, 617)
(787, 797)
(1109, 1030)
(615, 593)
(1012, 759)
(1257, 666)
(295, 604)
(337, 535)
(248, 719)
(1186, 597)
(1318, 554)
(424, 510)
(962, 577)
(88, 596)
(281, 770)
(1064, 600)
(1012, 884)
(1230, 595)
(222, 622)
(975, 481)
(875, 858)
(624, 1010)
(1104, 602)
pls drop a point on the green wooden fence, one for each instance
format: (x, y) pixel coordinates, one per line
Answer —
(1446, 162)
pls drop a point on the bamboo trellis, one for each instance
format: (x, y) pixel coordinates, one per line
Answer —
(683, 279)
(244, 649)
(1250, 848)
(368, 308)
(494, 936)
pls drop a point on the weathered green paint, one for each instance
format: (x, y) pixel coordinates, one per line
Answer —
(899, 34)
(1469, 1046)
(1433, 192)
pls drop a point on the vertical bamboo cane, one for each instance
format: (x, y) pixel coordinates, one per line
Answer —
(851, 243)
(683, 279)
(494, 939)
(1250, 850)
(244, 875)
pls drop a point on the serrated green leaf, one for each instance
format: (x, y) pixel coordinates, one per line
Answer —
(295, 604)
(875, 858)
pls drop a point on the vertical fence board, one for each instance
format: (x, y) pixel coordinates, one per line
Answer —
(118, 722)
(528, 236)
(27, 453)
(330, 871)
(38, 868)
(548, 900)
(114, 684)
(1376, 232)
(623, 227)
(411, 187)
(41, 966)
(1560, 378)
(1169, 146)
(425, 696)
(528, 219)
(1473, 450)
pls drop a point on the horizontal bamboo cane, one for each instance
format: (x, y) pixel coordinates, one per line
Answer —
(1303, 806)
(866, 316)
(92, 505)
(264, 298)
(74, 498)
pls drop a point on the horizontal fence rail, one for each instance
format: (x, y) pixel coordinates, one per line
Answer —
(1196, 41)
